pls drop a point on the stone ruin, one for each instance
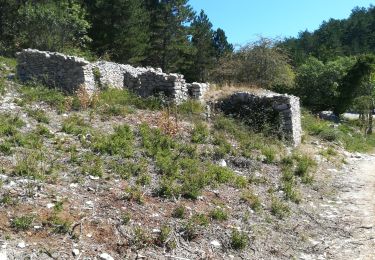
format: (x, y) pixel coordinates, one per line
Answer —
(68, 73)
(272, 112)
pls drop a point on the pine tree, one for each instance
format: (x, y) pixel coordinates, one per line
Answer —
(170, 48)
(221, 45)
(202, 40)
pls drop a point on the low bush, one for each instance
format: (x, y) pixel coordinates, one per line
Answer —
(218, 214)
(76, 125)
(239, 240)
(22, 222)
(200, 133)
(279, 208)
(120, 142)
(251, 199)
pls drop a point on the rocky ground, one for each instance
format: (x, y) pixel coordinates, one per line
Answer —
(75, 213)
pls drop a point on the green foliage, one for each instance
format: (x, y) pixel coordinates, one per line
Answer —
(190, 107)
(179, 212)
(10, 124)
(35, 92)
(76, 125)
(119, 102)
(239, 240)
(352, 82)
(200, 133)
(247, 140)
(39, 115)
(259, 64)
(251, 199)
(218, 214)
(318, 84)
(125, 218)
(120, 142)
(134, 193)
(351, 36)
(348, 133)
(279, 208)
(23, 222)
(51, 25)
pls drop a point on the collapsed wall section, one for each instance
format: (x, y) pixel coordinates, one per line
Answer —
(68, 73)
(275, 113)
(53, 69)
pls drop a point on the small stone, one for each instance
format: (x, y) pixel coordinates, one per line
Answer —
(37, 227)
(89, 204)
(21, 244)
(105, 256)
(73, 185)
(89, 235)
(75, 252)
(215, 243)
(50, 205)
(94, 177)
(155, 230)
(223, 163)
(3, 255)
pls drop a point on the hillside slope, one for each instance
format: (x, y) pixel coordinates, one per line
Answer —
(129, 178)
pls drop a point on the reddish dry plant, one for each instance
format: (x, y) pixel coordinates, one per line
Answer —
(86, 99)
(168, 123)
(83, 96)
(68, 103)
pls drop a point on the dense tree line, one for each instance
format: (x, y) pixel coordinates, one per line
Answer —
(347, 37)
(159, 33)
(334, 65)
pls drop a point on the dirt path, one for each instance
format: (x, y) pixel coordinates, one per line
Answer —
(354, 212)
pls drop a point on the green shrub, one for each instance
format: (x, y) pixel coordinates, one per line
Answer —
(168, 187)
(143, 179)
(10, 124)
(239, 240)
(200, 133)
(219, 214)
(23, 222)
(251, 199)
(219, 174)
(304, 165)
(279, 209)
(34, 92)
(270, 154)
(43, 131)
(94, 166)
(329, 134)
(75, 125)
(155, 142)
(120, 142)
(290, 191)
(200, 219)
(125, 218)
(167, 164)
(134, 193)
(190, 107)
(39, 115)
(124, 98)
(179, 212)
(6, 148)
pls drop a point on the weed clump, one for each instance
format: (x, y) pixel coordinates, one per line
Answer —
(239, 240)
(120, 142)
(23, 222)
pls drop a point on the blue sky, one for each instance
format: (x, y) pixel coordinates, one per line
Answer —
(244, 20)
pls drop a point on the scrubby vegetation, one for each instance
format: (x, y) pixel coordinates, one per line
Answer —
(136, 176)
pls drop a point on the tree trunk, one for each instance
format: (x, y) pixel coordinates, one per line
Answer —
(370, 119)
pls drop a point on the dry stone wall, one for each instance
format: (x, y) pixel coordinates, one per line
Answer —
(276, 113)
(69, 73)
